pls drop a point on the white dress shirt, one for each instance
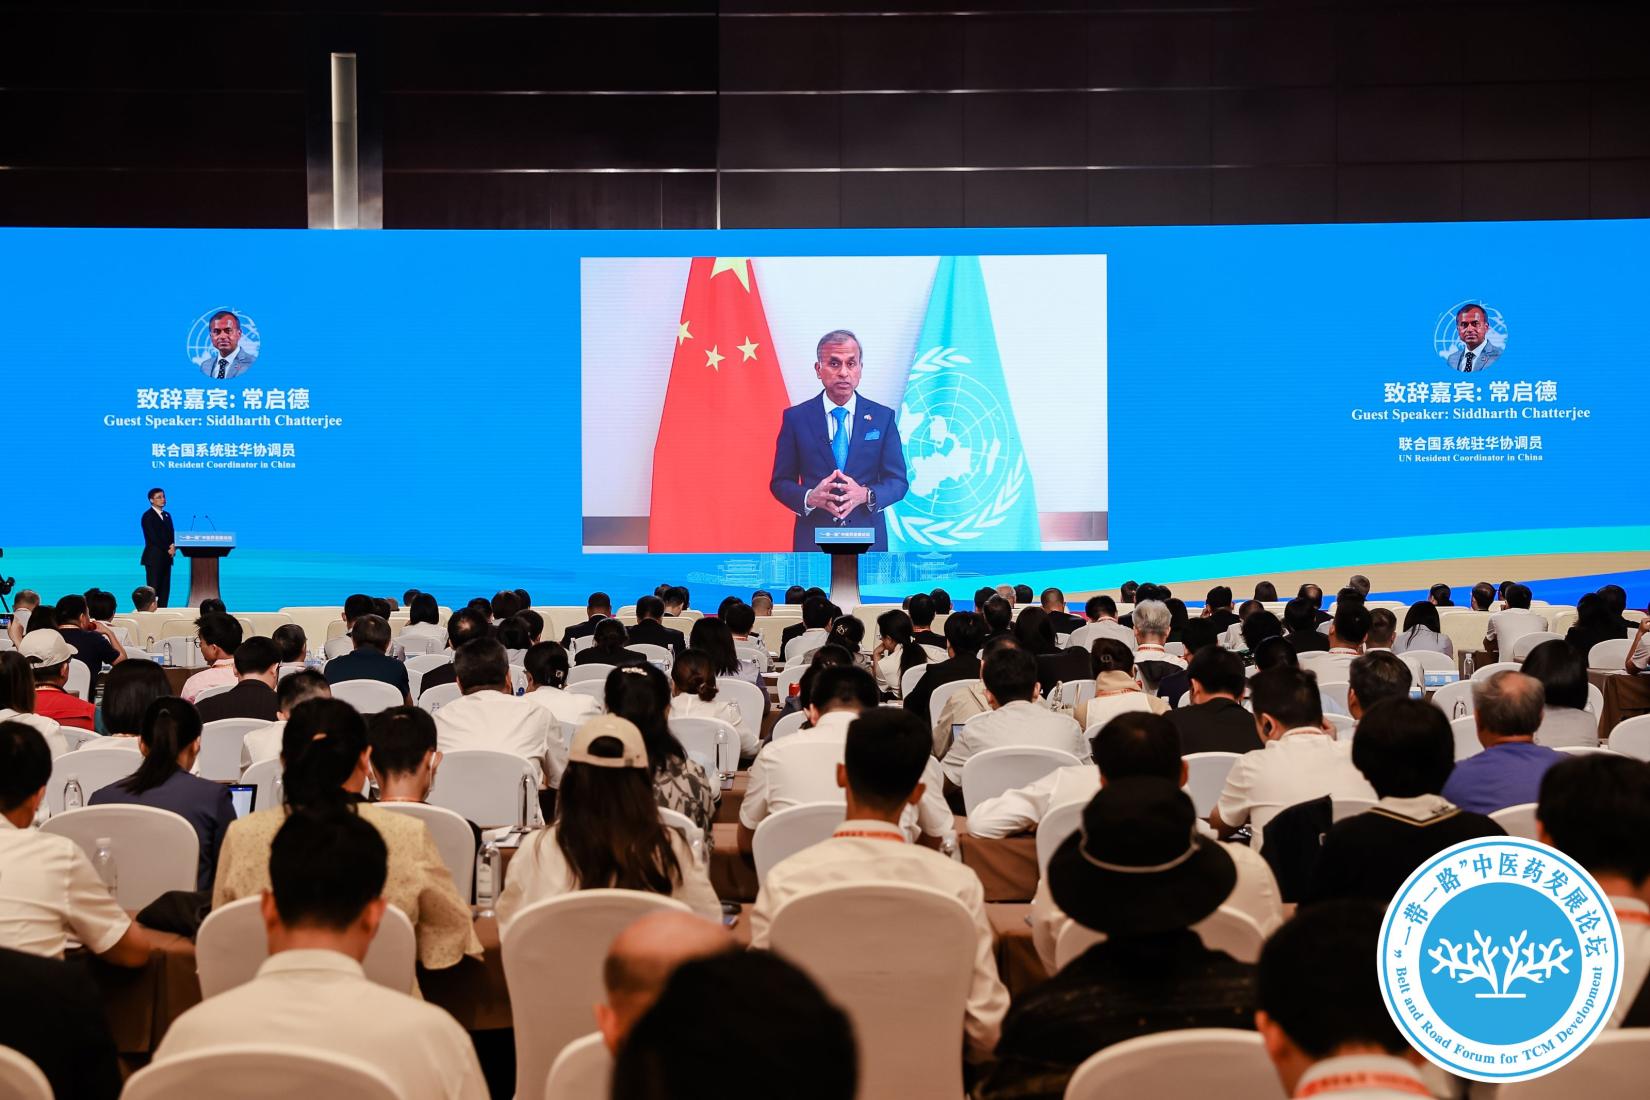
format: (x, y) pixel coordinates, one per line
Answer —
(1506, 627)
(801, 767)
(1025, 807)
(49, 891)
(322, 1001)
(1329, 665)
(49, 728)
(885, 856)
(219, 673)
(808, 639)
(1085, 636)
(424, 630)
(263, 743)
(503, 723)
(1305, 763)
(566, 707)
(723, 707)
(539, 872)
(1019, 723)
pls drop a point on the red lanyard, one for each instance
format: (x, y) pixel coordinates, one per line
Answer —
(1632, 916)
(871, 834)
(1362, 1079)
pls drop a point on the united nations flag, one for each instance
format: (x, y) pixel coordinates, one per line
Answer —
(970, 485)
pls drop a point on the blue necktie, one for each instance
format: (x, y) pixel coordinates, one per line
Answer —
(839, 442)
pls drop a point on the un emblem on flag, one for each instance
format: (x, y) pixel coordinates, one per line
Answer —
(1500, 959)
(962, 454)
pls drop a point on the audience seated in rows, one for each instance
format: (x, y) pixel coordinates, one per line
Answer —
(608, 647)
(49, 657)
(714, 638)
(1507, 710)
(795, 641)
(370, 659)
(1101, 615)
(463, 626)
(489, 715)
(170, 742)
(220, 636)
(546, 665)
(330, 876)
(607, 832)
(884, 758)
(641, 696)
(1035, 632)
(256, 672)
(1300, 621)
(696, 695)
(1053, 602)
(964, 637)
(264, 743)
(1213, 718)
(650, 631)
(1014, 719)
(326, 761)
(1117, 689)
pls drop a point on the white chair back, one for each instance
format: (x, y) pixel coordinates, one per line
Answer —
(1632, 737)
(579, 674)
(792, 829)
(942, 695)
(1484, 673)
(1454, 698)
(439, 696)
(1521, 648)
(898, 958)
(1342, 808)
(1423, 661)
(261, 1071)
(368, 696)
(1068, 695)
(1180, 1065)
(788, 724)
(1465, 731)
(1595, 700)
(1060, 822)
(215, 689)
(453, 839)
(80, 681)
(1226, 929)
(657, 655)
(74, 737)
(419, 645)
(489, 788)
(1335, 689)
(711, 741)
(751, 700)
(908, 679)
(1464, 628)
(93, 770)
(690, 830)
(785, 679)
(1345, 725)
(220, 758)
(1578, 750)
(1611, 1069)
(595, 689)
(230, 946)
(988, 774)
(1609, 656)
(422, 663)
(1206, 777)
(1518, 820)
(266, 776)
(582, 1071)
(552, 953)
(154, 850)
(21, 1079)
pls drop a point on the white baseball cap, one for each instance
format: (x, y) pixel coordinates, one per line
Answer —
(634, 754)
(45, 648)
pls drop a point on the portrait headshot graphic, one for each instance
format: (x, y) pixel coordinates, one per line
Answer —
(1470, 337)
(224, 343)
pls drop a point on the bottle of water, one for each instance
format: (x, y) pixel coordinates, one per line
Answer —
(948, 845)
(487, 880)
(1466, 667)
(73, 796)
(103, 862)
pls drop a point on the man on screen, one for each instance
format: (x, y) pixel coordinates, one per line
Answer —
(1476, 352)
(838, 459)
(158, 547)
(227, 359)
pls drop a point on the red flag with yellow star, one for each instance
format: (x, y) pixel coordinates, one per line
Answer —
(713, 459)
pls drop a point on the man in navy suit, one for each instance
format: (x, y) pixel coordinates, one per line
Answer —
(159, 546)
(838, 460)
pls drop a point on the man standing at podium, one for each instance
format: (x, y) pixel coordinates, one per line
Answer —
(838, 460)
(158, 546)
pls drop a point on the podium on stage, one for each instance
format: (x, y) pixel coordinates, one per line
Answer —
(845, 545)
(204, 549)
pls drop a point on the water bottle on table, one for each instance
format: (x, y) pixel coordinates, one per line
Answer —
(103, 862)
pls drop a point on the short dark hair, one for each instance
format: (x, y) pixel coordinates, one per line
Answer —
(25, 764)
(1383, 627)
(383, 606)
(848, 686)
(1219, 596)
(816, 613)
(1259, 627)
(70, 608)
(885, 754)
(212, 607)
(1378, 676)
(297, 687)
(809, 1045)
(1311, 593)
(357, 605)
(256, 654)
(1111, 655)
(964, 632)
(1100, 605)
(1022, 593)
(223, 631)
(150, 495)
(128, 689)
(1441, 593)
(795, 594)
(1137, 743)
(547, 663)
(999, 615)
(1010, 674)
(1217, 670)
(144, 598)
(1517, 595)
(465, 625)
(1276, 652)
(289, 641)
(482, 606)
(1596, 809)
(1483, 594)
(1471, 306)
(505, 604)
(609, 632)
(1288, 694)
(400, 736)
(1404, 748)
(740, 618)
(479, 663)
(981, 595)
(325, 867)
(921, 609)
(371, 630)
(422, 608)
(652, 607)
(599, 602)
(1562, 672)
(513, 633)
(100, 604)
(1266, 592)
(1351, 623)
(1300, 615)
(942, 601)
(1316, 983)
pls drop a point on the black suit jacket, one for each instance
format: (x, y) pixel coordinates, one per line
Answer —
(802, 457)
(653, 632)
(580, 630)
(158, 534)
(1064, 622)
(1068, 664)
(966, 667)
(440, 674)
(928, 638)
(595, 656)
(1311, 642)
(54, 1018)
(247, 699)
(1218, 725)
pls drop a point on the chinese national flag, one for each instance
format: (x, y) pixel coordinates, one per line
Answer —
(714, 456)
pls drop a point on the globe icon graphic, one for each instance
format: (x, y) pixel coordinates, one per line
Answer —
(198, 344)
(953, 428)
(1445, 339)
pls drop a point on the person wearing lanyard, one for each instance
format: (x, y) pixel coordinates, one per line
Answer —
(1321, 1015)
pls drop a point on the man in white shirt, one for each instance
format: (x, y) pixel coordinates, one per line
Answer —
(48, 888)
(264, 743)
(488, 716)
(1131, 745)
(1010, 676)
(324, 905)
(1595, 808)
(801, 767)
(1504, 629)
(1321, 1014)
(1347, 631)
(1302, 759)
(220, 636)
(882, 768)
(1101, 612)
